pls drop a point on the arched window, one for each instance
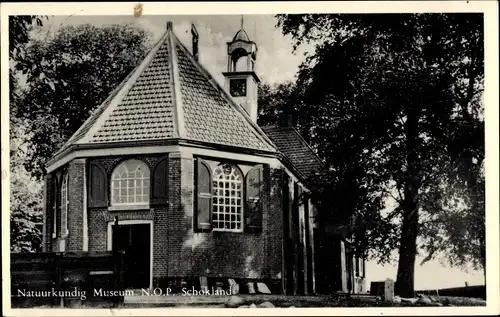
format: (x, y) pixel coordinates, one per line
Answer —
(227, 198)
(64, 205)
(130, 183)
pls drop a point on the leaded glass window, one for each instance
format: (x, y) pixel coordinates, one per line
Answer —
(130, 183)
(227, 198)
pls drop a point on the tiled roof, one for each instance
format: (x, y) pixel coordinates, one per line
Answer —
(295, 149)
(146, 111)
(207, 113)
(170, 95)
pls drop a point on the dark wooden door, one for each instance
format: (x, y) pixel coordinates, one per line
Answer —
(135, 241)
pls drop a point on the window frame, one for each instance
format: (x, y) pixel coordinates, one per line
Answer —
(360, 266)
(113, 205)
(236, 170)
(64, 204)
(55, 206)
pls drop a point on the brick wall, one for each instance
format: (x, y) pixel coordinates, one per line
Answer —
(76, 175)
(177, 250)
(180, 215)
(273, 225)
(99, 218)
(216, 253)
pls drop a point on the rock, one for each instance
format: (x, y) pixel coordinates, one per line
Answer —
(396, 299)
(409, 300)
(203, 283)
(438, 304)
(244, 306)
(266, 305)
(251, 288)
(233, 286)
(263, 289)
(234, 301)
(252, 305)
(291, 307)
(424, 300)
(389, 290)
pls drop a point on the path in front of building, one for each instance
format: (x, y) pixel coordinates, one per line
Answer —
(180, 301)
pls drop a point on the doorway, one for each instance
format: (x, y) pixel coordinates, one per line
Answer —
(135, 240)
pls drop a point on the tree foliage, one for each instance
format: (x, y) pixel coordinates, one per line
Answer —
(68, 76)
(25, 216)
(393, 105)
(26, 196)
(55, 83)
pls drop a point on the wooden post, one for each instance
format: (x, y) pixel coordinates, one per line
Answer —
(118, 259)
(113, 235)
(59, 275)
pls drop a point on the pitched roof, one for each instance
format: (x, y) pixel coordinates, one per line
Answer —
(169, 95)
(295, 149)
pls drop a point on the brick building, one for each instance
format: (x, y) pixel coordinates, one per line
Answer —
(198, 187)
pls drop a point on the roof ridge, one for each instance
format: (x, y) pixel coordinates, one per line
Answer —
(270, 127)
(175, 82)
(261, 134)
(127, 85)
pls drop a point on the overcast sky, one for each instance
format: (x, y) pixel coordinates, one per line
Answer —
(275, 61)
(275, 64)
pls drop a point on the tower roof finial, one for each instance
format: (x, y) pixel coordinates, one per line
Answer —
(242, 20)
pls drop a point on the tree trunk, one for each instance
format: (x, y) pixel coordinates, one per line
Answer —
(404, 285)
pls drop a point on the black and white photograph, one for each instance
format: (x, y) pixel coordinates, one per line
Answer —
(250, 158)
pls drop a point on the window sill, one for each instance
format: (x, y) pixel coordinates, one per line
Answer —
(129, 207)
(226, 231)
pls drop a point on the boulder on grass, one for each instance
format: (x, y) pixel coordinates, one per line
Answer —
(252, 305)
(263, 289)
(424, 300)
(251, 288)
(234, 287)
(203, 283)
(409, 300)
(234, 301)
(266, 305)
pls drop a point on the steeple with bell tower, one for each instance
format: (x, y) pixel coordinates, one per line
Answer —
(241, 81)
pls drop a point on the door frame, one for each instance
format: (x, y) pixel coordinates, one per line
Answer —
(135, 222)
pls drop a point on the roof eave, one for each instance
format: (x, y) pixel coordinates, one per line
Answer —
(160, 142)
